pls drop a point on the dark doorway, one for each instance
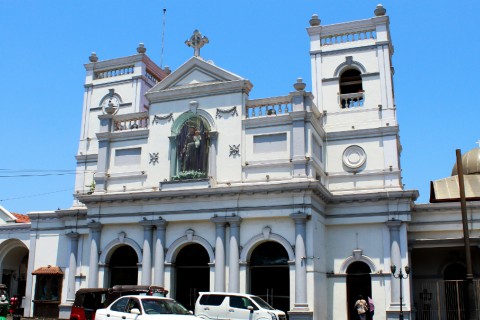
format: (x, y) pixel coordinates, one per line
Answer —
(359, 283)
(456, 291)
(123, 266)
(269, 275)
(192, 274)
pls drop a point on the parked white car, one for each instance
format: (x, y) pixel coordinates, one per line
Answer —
(235, 306)
(140, 307)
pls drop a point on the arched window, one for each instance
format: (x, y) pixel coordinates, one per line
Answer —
(193, 146)
(351, 89)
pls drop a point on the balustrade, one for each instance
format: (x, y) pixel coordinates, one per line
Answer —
(351, 100)
(131, 123)
(113, 72)
(152, 77)
(347, 37)
(268, 107)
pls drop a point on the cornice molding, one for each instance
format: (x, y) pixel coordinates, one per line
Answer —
(233, 190)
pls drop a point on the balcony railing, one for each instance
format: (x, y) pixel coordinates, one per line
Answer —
(347, 37)
(115, 72)
(351, 100)
(131, 122)
(268, 107)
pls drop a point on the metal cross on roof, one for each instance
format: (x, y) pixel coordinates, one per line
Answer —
(196, 41)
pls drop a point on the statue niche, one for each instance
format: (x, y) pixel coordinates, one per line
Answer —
(193, 145)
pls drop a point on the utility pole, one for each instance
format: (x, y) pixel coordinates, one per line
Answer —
(466, 236)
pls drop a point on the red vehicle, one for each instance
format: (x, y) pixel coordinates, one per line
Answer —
(88, 300)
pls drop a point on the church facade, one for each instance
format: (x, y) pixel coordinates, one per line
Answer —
(185, 182)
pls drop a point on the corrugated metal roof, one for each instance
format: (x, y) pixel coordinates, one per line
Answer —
(447, 189)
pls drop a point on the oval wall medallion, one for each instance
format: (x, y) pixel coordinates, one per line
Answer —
(354, 157)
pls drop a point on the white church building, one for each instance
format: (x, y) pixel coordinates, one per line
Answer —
(185, 182)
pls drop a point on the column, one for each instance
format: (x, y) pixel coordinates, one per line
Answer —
(234, 265)
(395, 257)
(95, 229)
(219, 253)
(298, 115)
(72, 265)
(159, 255)
(212, 155)
(300, 260)
(29, 292)
(147, 252)
(106, 123)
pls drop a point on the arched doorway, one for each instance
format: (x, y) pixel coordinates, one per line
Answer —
(123, 266)
(359, 283)
(14, 268)
(269, 274)
(192, 274)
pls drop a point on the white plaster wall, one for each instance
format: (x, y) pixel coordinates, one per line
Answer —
(228, 127)
(267, 130)
(344, 239)
(373, 150)
(85, 170)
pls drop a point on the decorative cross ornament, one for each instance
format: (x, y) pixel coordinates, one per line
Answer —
(153, 158)
(234, 150)
(196, 41)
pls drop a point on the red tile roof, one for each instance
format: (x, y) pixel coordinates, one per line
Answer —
(53, 270)
(21, 218)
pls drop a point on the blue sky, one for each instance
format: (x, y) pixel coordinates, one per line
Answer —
(44, 44)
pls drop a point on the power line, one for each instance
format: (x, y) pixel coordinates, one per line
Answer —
(22, 173)
(34, 195)
(36, 175)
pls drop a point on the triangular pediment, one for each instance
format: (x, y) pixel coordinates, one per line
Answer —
(194, 72)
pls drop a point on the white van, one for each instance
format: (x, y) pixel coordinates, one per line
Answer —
(235, 306)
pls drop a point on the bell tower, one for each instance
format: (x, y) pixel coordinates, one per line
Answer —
(352, 83)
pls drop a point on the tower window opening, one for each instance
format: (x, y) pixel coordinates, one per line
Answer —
(351, 89)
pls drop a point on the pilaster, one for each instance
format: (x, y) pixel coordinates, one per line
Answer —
(95, 232)
(147, 252)
(159, 255)
(220, 223)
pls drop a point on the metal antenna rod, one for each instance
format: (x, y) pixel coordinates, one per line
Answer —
(163, 36)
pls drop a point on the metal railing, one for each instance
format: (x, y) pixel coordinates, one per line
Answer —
(445, 299)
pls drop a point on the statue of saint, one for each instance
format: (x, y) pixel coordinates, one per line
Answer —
(193, 146)
(191, 156)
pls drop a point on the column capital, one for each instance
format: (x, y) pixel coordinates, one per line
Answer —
(73, 235)
(394, 224)
(160, 223)
(147, 224)
(234, 221)
(95, 226)
(299, 217)
(219, 221)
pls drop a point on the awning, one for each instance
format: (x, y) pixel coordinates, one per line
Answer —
(447, 190)
(48, 270)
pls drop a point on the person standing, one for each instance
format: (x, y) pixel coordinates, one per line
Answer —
(362, 307)
(4, 306)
